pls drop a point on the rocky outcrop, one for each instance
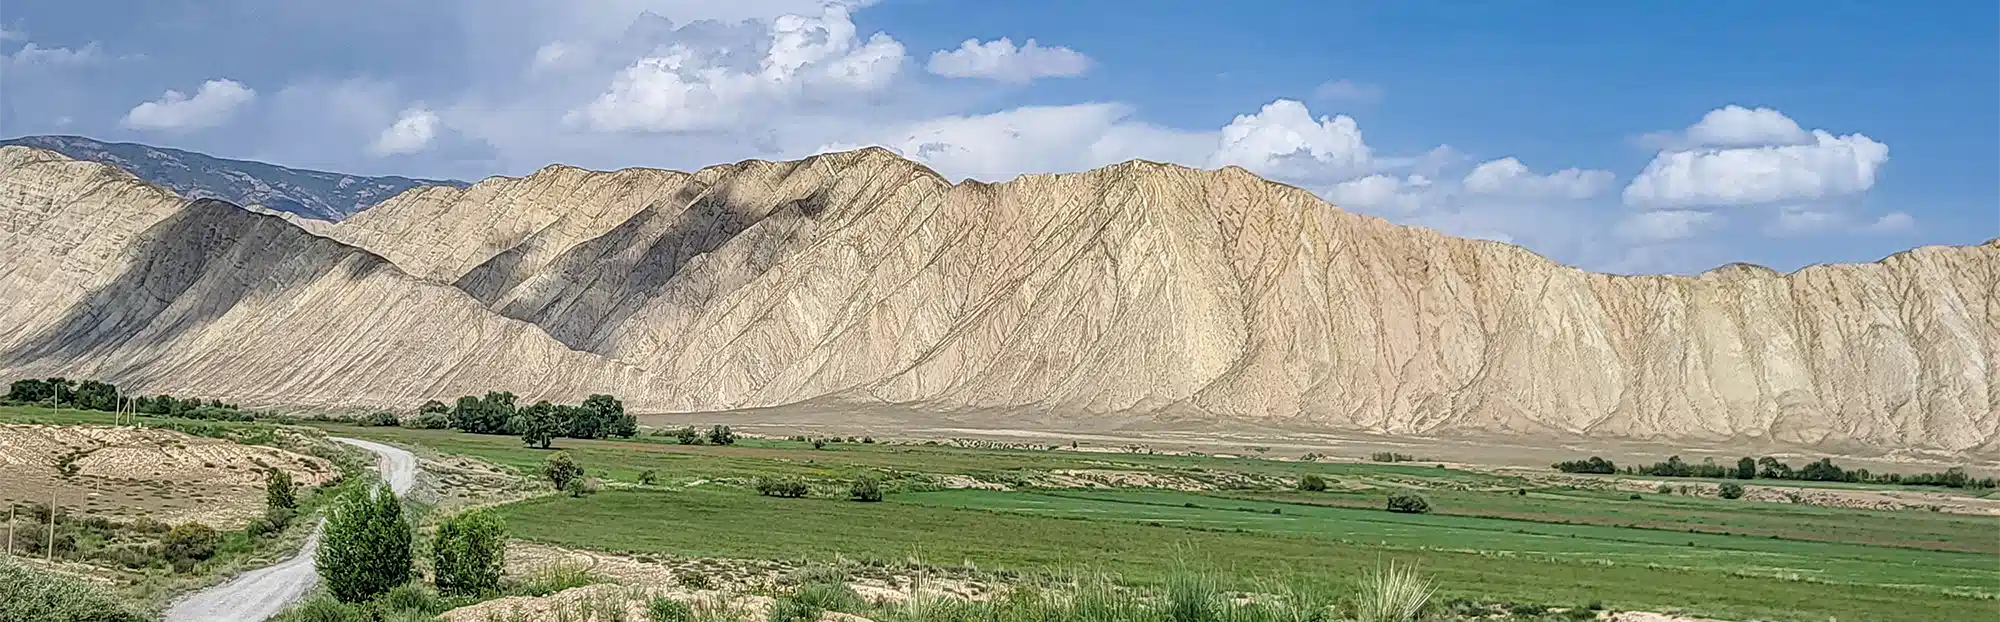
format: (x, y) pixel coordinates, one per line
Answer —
(1143, 288)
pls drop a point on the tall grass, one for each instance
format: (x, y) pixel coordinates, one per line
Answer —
(1392, 594)
(28, 593)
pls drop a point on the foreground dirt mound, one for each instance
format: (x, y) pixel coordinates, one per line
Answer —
(130, 473)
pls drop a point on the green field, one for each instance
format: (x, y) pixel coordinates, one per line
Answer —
(1490, 538)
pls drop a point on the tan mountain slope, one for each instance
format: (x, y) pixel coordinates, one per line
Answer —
(1142, 287)
(1135, 289)
(105, 276)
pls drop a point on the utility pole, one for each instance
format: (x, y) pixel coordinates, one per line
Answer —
(10, 529)
(51, 555)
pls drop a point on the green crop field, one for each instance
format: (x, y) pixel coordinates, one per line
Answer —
(1490, 537)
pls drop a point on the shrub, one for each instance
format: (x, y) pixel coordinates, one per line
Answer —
(411, 597)
(468, 554)
(694, 580)
(649, 477)
(1392, 594)
(790, 487)
(1408, 503)
(584, 486)
(279, 493)
(428, 421)
(1665, 489)
(1312, 482)
(721, 435)
(1732, 491)
(324, 608)
(28, 593)
(865, 488)
(663, 609)
(819, 443)
(688, 436)
(380, 419)
(560, 470)
(365, 550)
(188, 544)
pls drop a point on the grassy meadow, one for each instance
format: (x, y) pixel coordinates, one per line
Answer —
(1489, 538)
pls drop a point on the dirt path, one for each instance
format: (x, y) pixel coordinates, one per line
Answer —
(262, 593)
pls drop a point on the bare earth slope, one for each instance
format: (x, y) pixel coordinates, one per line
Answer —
(1154, 289)
(105, 276)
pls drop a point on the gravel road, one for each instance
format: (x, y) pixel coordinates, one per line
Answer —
(259, 594)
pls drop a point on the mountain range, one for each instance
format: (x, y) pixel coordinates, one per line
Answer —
(317, 195)
(1138, 290)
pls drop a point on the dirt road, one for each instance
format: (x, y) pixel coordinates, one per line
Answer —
(262, 593)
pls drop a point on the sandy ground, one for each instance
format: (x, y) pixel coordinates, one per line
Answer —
(262, 593)
(128, 473)
(1276, 439)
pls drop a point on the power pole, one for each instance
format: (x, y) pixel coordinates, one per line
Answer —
(10, 529)
(51, 555)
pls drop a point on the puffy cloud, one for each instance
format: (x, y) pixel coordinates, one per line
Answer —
(999, 60)
(1380, 192)
(693, 85)
(412, 132)
(1284, 141)
(1747, 156)
(1829, 166)
(210, 106)
(1664, 225)
(35, 55)
(1348, 91)
(1509, 177)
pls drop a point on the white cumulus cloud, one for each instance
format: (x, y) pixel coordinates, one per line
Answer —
(210, 106)
(1745, 156)
(1380, 192)
(703, 85)
(1035, 139)
(1737, 126)
(412, 132)
(1283, 140)
(1509, 177)
(999, 60)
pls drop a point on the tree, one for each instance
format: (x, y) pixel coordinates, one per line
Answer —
(1312, 482)
(365, 550)
(278, 490)
(30, 390)
(721, 435)
(434, 407)
(538, 425)
(1746, 468)
(188, 544)
(687, 435)
(1408, 503)
(865, 488)
(94, 395)
(468, 554)
(1731, 490)
(608, 417)
(561, 470)
(491, 414)
(1770, 468)
(1593, 465)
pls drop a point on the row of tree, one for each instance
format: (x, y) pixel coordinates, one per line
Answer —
(538, 424)
(104, 396)
(1746, 468)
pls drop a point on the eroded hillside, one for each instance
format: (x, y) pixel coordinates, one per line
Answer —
(1134, 289)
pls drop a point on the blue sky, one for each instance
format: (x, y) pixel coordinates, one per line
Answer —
(1643, 136)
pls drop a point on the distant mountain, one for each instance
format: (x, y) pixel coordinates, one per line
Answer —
(313, 194)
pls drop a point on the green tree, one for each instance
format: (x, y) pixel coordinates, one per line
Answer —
(609, 414)
(30, 390)
(561, 469)
(1731, 490)
(1408, 503)
(1746, 468)
(580, 422)
(865, 488)
(434, 407)
(188, 544)
(94, 395)
(721, 435)
(1312, 482)
(366, 546)
(469, 553)
(538, 425)
(279, 491)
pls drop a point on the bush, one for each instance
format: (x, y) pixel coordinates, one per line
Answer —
(1392, 595)
(381, 419)
(468, 554)
(560, 470)
(1408, 503)
(688, 436)
(721, 435)
(1665, 489)
(365, 550)
(279, 493)
(324, 608)
(865, 488)
(819, 443)
(411, 597)
(428, 421)
(28, 593)
(1732, 491)
(663, 609)
(790, 487)
(584, 486)
(1312, 482)
(188, 544)
(649, 477)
